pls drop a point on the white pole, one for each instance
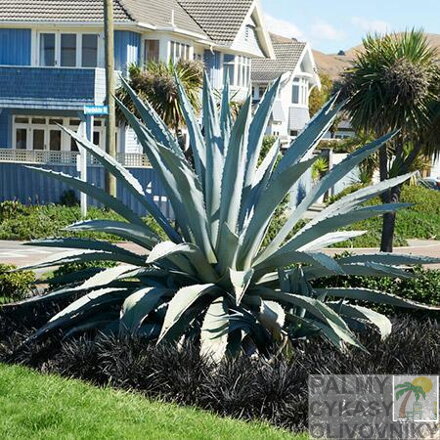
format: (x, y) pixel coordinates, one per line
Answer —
(87, 132)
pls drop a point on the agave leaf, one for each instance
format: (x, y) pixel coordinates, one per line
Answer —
(360, 196)
(170, 250)
(192, 197)
(311, 135)
(128, 180)
(257, 131)
(78, 308)
(318, 309)
(197, 142)
(84, 257)
(214, 158)
(284, 259)
(324, 185)
(374, 296)
(357, 312)
(225, 113)
(99, 322)
(143, 236)
(240, 281)
(96, 193)
(180, 303)
(214, 332)
(156, 125)
(227, 248)
(272, 316)
(81, 243)
(360, 269)
(233, 170)
(150, 148)
(317, 229)
(389, 258)
(271, 197)
(137, 307)
(252, 195)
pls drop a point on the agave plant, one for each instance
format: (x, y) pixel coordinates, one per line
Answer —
(213, 279)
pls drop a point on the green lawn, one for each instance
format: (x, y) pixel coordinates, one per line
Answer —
(35, 406)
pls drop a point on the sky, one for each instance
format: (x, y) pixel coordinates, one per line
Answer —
(336, 25)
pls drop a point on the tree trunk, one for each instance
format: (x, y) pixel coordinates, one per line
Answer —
(402, 410)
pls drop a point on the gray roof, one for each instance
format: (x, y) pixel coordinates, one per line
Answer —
(220, 19)
(287, 52)
(58, 11)
(153, 12)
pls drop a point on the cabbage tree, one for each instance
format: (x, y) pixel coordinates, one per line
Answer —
(212, 279)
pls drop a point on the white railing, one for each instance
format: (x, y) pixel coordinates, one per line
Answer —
(66, 157)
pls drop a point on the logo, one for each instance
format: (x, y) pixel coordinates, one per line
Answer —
(415, 399)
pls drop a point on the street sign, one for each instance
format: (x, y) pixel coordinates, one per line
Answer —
(96, 110)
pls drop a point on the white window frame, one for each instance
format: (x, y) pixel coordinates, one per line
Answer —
(303, 83)
(65, 138)
(79, 36)
(179, 50)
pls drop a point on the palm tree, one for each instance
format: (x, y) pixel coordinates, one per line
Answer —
(156, 84)
(419, 387)
(393, 85)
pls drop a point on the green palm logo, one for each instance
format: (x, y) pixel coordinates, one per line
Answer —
(419, 387)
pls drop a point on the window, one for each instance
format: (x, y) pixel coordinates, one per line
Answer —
(47, 50)
(21, 139)
(68, 50)
(42, 133)
(89, 50)
(151, 50)
(238, 68)
(294, 133)
(300, 91)
(179, 51)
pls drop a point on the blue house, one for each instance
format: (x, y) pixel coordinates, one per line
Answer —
(52, 64)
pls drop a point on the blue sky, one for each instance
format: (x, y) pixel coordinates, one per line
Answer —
(341, 24)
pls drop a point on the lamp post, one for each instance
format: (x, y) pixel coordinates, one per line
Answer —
(110, 141)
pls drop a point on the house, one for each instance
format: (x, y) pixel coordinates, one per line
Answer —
(52, 64)
(295, 64)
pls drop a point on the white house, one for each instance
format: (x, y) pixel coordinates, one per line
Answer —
(295, 63)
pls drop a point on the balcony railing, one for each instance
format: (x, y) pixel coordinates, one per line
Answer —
(67, 157)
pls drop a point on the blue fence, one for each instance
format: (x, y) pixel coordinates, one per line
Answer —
(29, 187)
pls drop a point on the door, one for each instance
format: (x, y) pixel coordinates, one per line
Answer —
(38, 139)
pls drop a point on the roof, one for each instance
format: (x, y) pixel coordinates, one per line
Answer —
(220, 19)
(152, 12)
(288, 52)
(70, 11)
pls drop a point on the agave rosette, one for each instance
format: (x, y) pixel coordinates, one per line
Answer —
(213, 279)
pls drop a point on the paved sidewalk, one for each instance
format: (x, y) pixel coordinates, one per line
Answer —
(14, 252)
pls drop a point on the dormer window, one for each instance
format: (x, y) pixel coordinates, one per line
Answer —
(300, 91)
(68, 50)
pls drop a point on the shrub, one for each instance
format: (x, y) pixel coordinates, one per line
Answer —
(68, 198)
(424, 287)
(14, 286)
(246, 388)
(213, 280)
(422, 220)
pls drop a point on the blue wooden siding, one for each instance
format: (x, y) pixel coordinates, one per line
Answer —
(15, 47)
(213, 63)
(5, 128)
(28, 186)
(127, 49)
(54, 88)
